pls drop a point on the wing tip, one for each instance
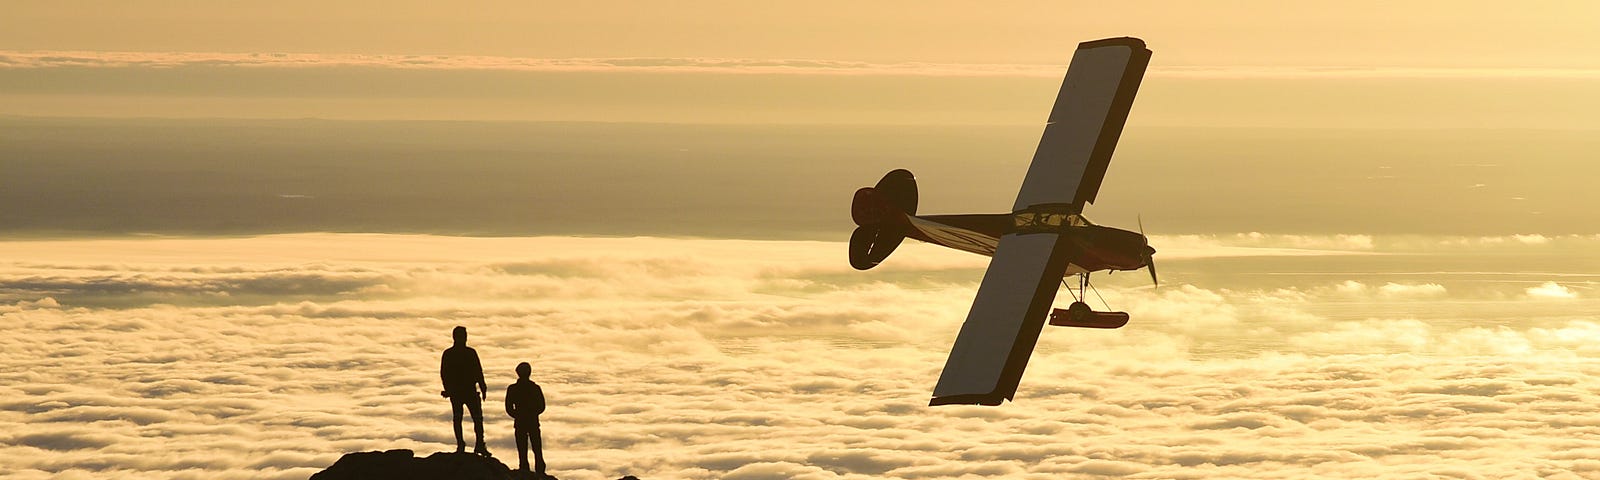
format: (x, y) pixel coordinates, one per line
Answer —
(984, 399)
(1129, 42)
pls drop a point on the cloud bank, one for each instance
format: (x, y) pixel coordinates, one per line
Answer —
(267, 357)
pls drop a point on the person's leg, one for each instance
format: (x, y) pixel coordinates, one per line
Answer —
(522, 448)
(476, 406)
(538, 449)
(455, 410)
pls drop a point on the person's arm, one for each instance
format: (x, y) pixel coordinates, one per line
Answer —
(511, 408)
(478, 367)
(444, 363)
(538, 400)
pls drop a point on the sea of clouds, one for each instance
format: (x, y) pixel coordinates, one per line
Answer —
(1260, 356)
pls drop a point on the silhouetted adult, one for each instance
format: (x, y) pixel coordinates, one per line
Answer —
(524, 402)
(462, 375)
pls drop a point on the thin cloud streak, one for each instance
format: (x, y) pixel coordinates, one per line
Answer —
(705, 65)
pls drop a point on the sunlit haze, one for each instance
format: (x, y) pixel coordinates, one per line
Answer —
(234, 237)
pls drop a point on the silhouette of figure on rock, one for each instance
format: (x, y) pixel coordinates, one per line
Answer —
(462, 375)
(524, 402)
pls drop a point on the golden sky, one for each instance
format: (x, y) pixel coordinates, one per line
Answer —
(1362, 33)
(1386, 64)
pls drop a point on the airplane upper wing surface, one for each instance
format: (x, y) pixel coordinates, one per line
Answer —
(1085, 123)
(998, 337)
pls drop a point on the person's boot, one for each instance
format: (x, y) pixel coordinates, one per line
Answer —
(481, 449)
(461, 447)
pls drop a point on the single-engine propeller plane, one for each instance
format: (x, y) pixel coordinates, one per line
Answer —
(1041, 243)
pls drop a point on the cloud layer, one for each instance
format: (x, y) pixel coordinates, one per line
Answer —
(267, 357)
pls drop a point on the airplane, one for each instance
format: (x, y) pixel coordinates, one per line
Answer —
(1044, 240)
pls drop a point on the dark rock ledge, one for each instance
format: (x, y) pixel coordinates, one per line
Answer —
(404, 465)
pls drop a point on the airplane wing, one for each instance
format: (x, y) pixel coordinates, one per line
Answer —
(1085, 123)
(998, 337)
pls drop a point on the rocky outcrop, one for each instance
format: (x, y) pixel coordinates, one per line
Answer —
(404, 465)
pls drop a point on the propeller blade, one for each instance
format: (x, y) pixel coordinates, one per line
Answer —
(1150, 264)
(1149, 254)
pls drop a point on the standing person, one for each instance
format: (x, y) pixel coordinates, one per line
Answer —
(462, 375)
(524, 402)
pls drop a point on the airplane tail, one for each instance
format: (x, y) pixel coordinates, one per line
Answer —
(880, 214)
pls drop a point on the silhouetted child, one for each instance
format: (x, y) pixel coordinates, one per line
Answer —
(462, 375)
(524, 402)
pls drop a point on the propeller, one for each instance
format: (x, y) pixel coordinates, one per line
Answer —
(1149, 255)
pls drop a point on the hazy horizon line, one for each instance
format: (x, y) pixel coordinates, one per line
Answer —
(39, 59)
(702, 123)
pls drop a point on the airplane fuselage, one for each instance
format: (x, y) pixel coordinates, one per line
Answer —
(1096, 247)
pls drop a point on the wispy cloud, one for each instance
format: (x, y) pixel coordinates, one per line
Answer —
(105, 59)
(86, 59)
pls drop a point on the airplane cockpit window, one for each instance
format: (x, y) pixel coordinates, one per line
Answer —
(1035, 221)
